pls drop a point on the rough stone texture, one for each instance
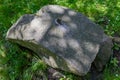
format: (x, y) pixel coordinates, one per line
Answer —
(103, 54)
(63, 38)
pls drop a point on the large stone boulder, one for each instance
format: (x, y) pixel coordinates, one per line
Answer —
(63, 38)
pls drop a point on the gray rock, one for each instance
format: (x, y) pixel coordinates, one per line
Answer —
(104, 54)
(63, 38)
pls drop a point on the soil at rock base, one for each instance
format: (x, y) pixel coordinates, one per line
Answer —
(116, 54)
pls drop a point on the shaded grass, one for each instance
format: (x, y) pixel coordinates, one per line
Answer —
(112, 71)
(16, 63)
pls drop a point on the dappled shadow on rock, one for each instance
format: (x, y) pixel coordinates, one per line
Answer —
(63, 38)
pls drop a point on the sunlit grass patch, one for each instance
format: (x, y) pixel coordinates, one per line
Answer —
(118, 4)
(37, 66)
(3, 65)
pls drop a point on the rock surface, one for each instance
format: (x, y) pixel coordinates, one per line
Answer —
(63, 38)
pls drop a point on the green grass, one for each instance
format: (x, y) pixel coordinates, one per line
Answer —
(19, 63)
(112, 70)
